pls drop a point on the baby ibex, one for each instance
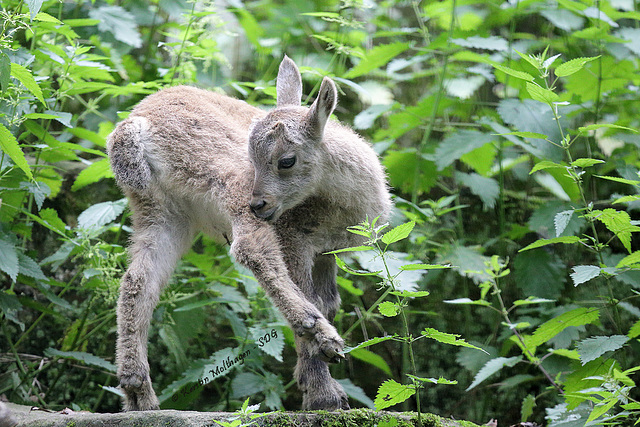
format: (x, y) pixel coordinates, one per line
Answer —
(281, 186)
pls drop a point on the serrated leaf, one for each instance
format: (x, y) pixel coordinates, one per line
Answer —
(5, 72)
(627, 199)
(440, 380)
(532, 300)
(620, 180)
(561, 220)
(9, 145)
(634, 331)
(87, 358)
(389, 309)
(594, 347)
(541, 94)
(9, 259)
(491, 367)
(618, 222)
(572, 66)
(467, 301)
(119, 22)
(578, 317)
(544, 164)
(24, 76)
(398, 233)
(94, 173)
(515, 73)
(540, 273)
(526, 135)
(410, 294)
(101, 214)
(270, 340)
(458, 144)
(629, 260)
(445, 338)
(369, 343)
(52, 220)
(355, 392)
(410, 267)
(584, 273)
(376, 58)
(34, 7)
(487, 189)
(351, 249)
(344, 267)
(528, 404)
(391, 393)
(544, 242)
(585, 163)
(30, 268)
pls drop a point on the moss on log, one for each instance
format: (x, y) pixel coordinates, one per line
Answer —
(26, 416)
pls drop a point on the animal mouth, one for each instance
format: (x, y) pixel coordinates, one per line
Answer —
(268, 215)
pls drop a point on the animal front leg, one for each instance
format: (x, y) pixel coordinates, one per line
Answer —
(258, 248)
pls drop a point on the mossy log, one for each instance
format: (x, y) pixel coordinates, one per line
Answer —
(26, 416)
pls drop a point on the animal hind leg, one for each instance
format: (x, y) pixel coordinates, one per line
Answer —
(157, 245)
(320, 390)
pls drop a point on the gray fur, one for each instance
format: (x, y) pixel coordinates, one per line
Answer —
(191, 160)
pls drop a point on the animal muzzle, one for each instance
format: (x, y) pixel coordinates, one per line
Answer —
(262, 209)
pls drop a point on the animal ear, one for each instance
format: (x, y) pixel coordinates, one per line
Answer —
(288, 84)
(322, 108)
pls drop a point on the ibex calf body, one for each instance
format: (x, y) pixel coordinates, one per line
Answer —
(281, 186)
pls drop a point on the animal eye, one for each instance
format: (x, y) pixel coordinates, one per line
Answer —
(286, 162)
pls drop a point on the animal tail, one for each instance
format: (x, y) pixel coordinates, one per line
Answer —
(126, 149)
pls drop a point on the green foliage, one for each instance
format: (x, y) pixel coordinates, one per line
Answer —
(509, 134)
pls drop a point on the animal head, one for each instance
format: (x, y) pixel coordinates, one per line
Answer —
(286, 148)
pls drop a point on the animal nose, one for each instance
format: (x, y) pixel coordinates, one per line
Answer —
(257, 204)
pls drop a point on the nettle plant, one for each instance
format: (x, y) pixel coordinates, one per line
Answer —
(596, 388)
(393, 302)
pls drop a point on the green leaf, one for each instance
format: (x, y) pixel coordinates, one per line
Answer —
(34, 7)
(584, 273)
(526, 135)
(627, 199)
(371, 358)
(532, 300)
(629, 260)
(410, 294)
(269, 339)
(252, 29)
(369, 343)
(546, 331)
(10, 306)
(594, 347)
(30, 268)
(544, 242)
(515, 73)
(450, 339)
(87, 358)
(119, 22)
(101, 214)
(5, 72)
(391, 393)
(458, 144)
(94, 173)
(572, 66)
(618, 222)
(24, 76)
(539, 272)
(10, 145)
(541, 94)
(347, 285)
(409, 267)
(467, 301)
(604, 125)
(528, 404)
(344, 267)
(585, 163)
(491, 367)
(544, 164)
(355, 392)
(52, 220)
(376, 57)
(620, 180)
(634, 331)
(389, 309)
(398, 233)
(351, 249)
(9, 259)
(440, 380)
(487, 189)
(561, 220)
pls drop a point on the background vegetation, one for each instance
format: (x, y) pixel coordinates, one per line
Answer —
(519, 172)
